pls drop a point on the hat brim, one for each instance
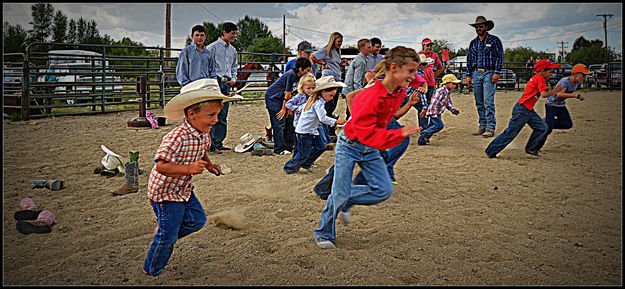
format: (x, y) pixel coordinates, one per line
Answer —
(241, 148)
(550, 66)
(489, 23)
(174, 109)
(336, 84)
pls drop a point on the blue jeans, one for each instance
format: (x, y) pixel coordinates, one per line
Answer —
(436, 125)
(283, 132)
(309, 148)
(344, 194)
(556, 117)
(324, 187)
(219, 129)
(484, 90)
(423, 121)
(520, 116)
(175, 220)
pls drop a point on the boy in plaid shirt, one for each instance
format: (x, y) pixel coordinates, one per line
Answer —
(440, 101)
(182, 154)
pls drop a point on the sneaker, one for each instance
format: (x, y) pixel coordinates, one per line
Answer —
(324, 244)
(534, 153)
(308, 170)
(394, 182)
(479, 131)
(344, 216)
(489, 132)
(285, 152)
(421, 141)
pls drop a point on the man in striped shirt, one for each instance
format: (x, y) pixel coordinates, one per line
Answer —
(484, 63)
(195, 61)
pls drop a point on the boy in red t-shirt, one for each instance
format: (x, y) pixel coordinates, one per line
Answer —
(523, 112)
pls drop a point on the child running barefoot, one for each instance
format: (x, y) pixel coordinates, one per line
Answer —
(364, 135)
(308, 139)
(523, 112)
(440, 100)
(182, 154)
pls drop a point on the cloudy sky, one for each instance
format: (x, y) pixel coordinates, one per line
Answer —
(540, 26)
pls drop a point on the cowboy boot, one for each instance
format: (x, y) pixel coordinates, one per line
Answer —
(131, 175)
(53, 185)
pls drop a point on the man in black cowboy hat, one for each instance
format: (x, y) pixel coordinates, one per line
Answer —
(484, 63)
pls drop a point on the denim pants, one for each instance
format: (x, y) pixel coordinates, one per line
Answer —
(484, 91)
(330, 106)
(520, 116)
(175, 220)
(219, 129)
(436, 125)
(323, 188)
(422, 121)
(344, 195)
(283, 132)
(309, 148)
(556, 117)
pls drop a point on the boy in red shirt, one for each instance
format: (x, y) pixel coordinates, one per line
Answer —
(360, 141)
(523, 112)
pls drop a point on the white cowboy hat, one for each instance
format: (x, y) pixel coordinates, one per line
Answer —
(247, 142)
(112, 160)
(327, 82)
(195, 92)
(424, 59)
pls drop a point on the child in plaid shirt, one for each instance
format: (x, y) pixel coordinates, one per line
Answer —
(438, 103)
(182, 154)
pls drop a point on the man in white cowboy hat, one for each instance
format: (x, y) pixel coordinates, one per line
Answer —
(484, 63)
(182, 154)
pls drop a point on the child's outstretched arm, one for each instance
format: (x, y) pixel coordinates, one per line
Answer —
(174, 170)
(562, 94)
(212, 168)
(546, 93)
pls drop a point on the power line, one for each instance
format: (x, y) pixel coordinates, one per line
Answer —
(211, 12)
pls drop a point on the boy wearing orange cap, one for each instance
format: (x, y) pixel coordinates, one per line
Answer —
(523, 112)
(556, 114)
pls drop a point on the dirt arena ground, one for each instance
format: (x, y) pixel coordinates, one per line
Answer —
(456, 217)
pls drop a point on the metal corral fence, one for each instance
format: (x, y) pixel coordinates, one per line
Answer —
(77, 82)
(62, 81)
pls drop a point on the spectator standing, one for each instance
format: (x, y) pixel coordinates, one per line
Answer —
(430, 75)
(225, 56)
(375, 57)
(304, 49)
(484, 64)
(195, 61)
(330, 59)
(445, 56)
(355, 76)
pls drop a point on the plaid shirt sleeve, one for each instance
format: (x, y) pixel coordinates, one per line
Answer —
(433, 108)
(471, 56)
(499, 53)
(167, 150)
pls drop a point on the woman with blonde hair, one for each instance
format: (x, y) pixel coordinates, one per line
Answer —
(330, 59)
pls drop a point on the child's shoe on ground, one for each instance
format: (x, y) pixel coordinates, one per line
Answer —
(489, 132)
(324, 244)
(422, 141)
(345, 216)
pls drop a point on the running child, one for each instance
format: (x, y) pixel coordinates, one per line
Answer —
(439, 102)
(308, 141)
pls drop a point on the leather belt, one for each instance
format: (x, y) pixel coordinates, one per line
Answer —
(481, 70)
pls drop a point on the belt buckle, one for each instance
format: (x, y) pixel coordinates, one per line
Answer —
(481, 70)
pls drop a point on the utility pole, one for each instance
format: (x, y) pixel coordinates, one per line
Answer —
(562, 48)
(283, 38)
(605, 26)
(167, 30)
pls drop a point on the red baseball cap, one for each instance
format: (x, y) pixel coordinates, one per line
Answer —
(544, 64)
(426, 41)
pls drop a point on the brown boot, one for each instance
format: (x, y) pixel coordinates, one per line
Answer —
(126, 189)
(132, 179)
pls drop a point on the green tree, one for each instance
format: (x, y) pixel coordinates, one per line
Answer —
(42, 16)
(264, 45)
(81, 30)
(14, 38)
(71, 31)
(249, 29)
(92, 35)
(59, 28)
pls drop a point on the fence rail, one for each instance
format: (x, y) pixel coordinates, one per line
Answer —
(41, 84)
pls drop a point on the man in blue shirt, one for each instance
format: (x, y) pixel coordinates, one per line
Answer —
(195, 62)
(304, 49)
(225, 56)
(484, 62)
(375, 57)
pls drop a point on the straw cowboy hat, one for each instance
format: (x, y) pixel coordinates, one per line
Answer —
(112, 160)
(327, 82)
(247, 141)
(195, 92)
(482, 20)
